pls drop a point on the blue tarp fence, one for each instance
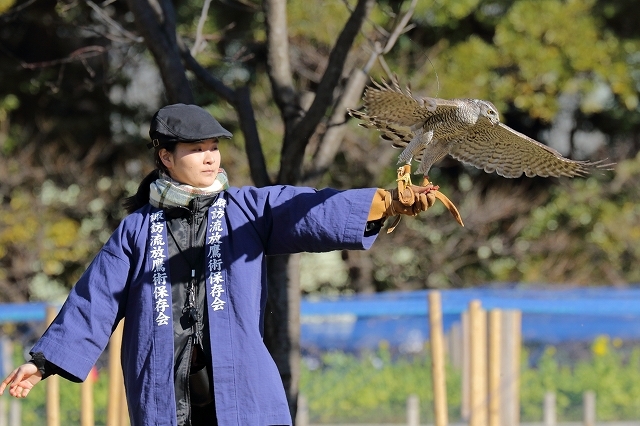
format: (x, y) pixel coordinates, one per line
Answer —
(549, 315)
(22, 312)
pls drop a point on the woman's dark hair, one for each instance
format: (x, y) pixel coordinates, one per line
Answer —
(141, 197)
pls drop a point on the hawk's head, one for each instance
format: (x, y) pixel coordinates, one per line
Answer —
(489, 110)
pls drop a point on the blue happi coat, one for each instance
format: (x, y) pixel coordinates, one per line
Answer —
(128, 279)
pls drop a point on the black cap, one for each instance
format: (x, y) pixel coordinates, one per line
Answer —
(184, 123)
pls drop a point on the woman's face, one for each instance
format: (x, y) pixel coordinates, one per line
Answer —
(193, 163)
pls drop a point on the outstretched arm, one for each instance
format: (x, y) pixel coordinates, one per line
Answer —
(21, 380)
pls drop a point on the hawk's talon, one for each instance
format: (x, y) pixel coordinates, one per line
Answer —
(404, 175)
(393, 225)
(405, 193)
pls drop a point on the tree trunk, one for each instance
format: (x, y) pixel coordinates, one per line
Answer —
(157, 25)
(282, 321)
(360, 268)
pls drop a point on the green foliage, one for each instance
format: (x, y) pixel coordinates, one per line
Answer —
(34, 406)
(522, 56)
(307, 20)
(533, 56)
(582, 231)
(612, 376)
(56, 244)
(373, 387)
(445, 13)
(607, 223)
(8, 141)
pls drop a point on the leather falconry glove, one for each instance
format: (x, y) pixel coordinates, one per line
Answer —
(410, 202)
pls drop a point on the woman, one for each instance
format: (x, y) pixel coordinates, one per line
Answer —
(187, 270)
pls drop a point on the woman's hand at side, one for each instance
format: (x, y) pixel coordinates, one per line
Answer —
(21, 380)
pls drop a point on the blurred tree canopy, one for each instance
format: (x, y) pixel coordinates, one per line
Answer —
(78, 87)
(79, 81)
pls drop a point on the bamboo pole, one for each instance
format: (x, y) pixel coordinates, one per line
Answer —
(512, 337)
(124, 408)
(86, 401)
(52, 382)
(15, 413)
(3, 411)
(455, 339)
(549, 409)
(517, 349)
(466, 365)
(507, 368)
(413, 410)
(10, 408)
(589, 407)
(495, 368)
(437, 359)
(115, 374)
(302, 415)
(5, 368)
(484, 369)
(478, 365)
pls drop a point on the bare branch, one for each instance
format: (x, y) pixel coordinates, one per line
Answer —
(113, 24)
(241, 101)
(335, 132)
(296, 141)
(197, 45)
(332, 139)
(203, 75)
(157, 9)
(401, 28)
(77, 55)
(55, 87)
(278, 63)
(386, 68)
(116, 38)
(257, 163)
(156, 23)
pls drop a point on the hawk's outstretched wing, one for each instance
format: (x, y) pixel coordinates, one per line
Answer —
(509, 153)
(389, 103)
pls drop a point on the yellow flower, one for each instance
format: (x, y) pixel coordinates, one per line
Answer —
(600, 345)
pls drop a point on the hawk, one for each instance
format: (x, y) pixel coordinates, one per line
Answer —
(469, 130)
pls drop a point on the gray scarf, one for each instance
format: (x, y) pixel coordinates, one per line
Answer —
(166, 192)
